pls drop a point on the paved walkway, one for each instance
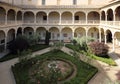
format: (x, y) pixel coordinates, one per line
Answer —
(105, 72)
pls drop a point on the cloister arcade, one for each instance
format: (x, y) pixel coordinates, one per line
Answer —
(63, 25)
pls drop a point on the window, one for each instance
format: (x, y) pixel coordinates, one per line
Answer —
(76, 17)
(74, 2)
(44, 17)
(43, 2)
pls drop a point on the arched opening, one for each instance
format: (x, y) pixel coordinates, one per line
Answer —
(94, 33)
(66, 34)
(79, 17)
(117, 38)
(28, 31)
(102, 35)
(41, 17)
(11, 16)
(2, 15)
(19, 31)
(10, 36)
(103, 15)
(109, 36)
(54, 17)
(66, 17)
(117, 16)
(79, 32)
(2, 40)
(29, 17)
(19, 16)
(41, 31)
(55, 34)
(93, 16)
(110, 15)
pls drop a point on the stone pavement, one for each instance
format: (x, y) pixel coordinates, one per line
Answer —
(105, 73)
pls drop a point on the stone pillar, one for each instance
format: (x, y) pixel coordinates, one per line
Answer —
(72, 35)
(60, 19)
(35, 19)
(86, 35)
(5, 47)
(105, 39)
(47, 18)
(6, 18)
(106, 18)
(100, 35)
(60, 36)
(86, 18)
(16, 19)
(114, 19)
(73, 18)
(113, 40)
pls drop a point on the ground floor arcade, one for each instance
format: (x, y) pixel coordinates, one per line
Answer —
(64, 34)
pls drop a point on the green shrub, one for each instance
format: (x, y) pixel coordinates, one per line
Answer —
(19, 44)
(56, 46)
(99, 49)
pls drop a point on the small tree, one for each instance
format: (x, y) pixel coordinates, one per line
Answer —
(47, 38)
(99, 49)
(33, 39)
(19, 44)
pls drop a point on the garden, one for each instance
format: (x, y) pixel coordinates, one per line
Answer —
(53, 68)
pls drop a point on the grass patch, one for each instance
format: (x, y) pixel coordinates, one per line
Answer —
(32, 48)
(84, 71)
(106, 60)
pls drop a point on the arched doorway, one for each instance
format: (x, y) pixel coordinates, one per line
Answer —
(11, 35)
(109, 36)
(66, 34)
(2, 15)
(110, 15)
(55, 36)
(28, 31)
(19, 31)
(79, 32)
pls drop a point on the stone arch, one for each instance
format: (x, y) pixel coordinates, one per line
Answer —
(94, 33)
(79, 32)
(11, 15)
(79, 16)
(11, 35)
(19, 16)
(2, 40)
(66, 17)
(93, 15)
(117, 38)
(54, 17)
(55, 33)
(41, 17)
(109, 15)
(103, 15)
(29, 17)
(41, 31)
(28, 31)
(19, 31)
(2, 15)
(66, 34)
(109, 36)
(117, 13)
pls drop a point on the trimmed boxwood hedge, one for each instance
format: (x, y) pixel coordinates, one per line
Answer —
(84, 71)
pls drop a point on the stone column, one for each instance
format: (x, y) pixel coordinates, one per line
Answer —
(73, 18)
(60, 19)
(114, 19)
(105, 39)
(35, 18)
(60, 36)
(6, 18)
(86, 35)
(100, 35)
(86, 18)
(47, 18)
(106, 17)
(5, 47)
(113, 39)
